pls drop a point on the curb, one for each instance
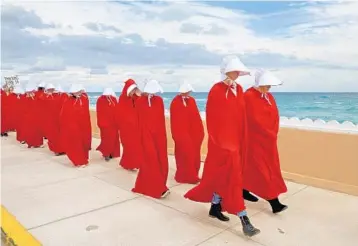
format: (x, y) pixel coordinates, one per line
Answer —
(13, 233)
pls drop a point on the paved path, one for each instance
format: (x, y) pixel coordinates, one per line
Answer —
(66, 206)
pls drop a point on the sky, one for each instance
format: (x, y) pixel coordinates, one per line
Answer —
(311, 46)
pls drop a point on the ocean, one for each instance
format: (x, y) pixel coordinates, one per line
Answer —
(326, 106)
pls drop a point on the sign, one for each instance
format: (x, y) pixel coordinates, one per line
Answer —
(11, 81)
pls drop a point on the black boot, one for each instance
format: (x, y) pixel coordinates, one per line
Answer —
(165, 194)
(248, 196)
(107, 158)
(215, 212)
(247, 228)
(276, 206)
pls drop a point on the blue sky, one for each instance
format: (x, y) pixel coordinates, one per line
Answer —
(309, 45)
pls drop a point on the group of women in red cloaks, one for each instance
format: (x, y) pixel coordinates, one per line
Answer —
(242, 129)
(41, 112)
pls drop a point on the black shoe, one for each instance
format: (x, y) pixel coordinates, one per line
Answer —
(248, 196)
(215, 212)
(165, 194)
(22, 142)
(107, 158)
(59, 154)
(110, 157)
(4, 134)
(277, 206)
(247, 228)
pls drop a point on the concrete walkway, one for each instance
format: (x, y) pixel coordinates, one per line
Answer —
(66, 206)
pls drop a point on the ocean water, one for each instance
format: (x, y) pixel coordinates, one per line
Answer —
(326, 106)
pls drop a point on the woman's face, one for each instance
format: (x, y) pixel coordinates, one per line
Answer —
(233, 75)
(135, 92)
(264, 88)
(186, 94)
(77, 94)
(50, 90)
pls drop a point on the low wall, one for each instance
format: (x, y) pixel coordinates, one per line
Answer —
(319, 154)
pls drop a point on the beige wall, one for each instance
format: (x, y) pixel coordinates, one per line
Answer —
(322, 159)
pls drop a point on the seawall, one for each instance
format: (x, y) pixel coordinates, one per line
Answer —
(315, 153)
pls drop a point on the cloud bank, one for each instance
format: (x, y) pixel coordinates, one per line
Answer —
(311, 46)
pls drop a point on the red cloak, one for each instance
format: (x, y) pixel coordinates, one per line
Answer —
(128, 125)
(262, 173)
(87, 121)
(153, 174)
(32, 124)
(12, 98)
(6, 111)
(188, 134)
(40, 95)
(73, 130)
(52, 104)
(106, 110)
(226, 125)
(19, 107)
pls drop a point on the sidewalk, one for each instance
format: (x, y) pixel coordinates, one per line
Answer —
(66, 206)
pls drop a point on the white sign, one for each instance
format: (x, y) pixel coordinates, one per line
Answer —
(11, 81)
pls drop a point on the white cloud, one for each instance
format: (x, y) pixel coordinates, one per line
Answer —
(326, 35)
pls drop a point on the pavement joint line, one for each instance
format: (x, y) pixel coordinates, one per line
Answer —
(46, 184)
(199, 219)
(229, 229)
(83, 213)
(296, 192)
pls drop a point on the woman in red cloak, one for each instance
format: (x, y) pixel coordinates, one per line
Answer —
(87, 118)
(226, 124)
(60, 93)
(73, 123)
(128, 125)
(153, 174)
(262, 173)
(106, 110)
(31, 124)
(6, 108)
(40, 95)
(188, 134)
(52, 105)
(19, 109)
